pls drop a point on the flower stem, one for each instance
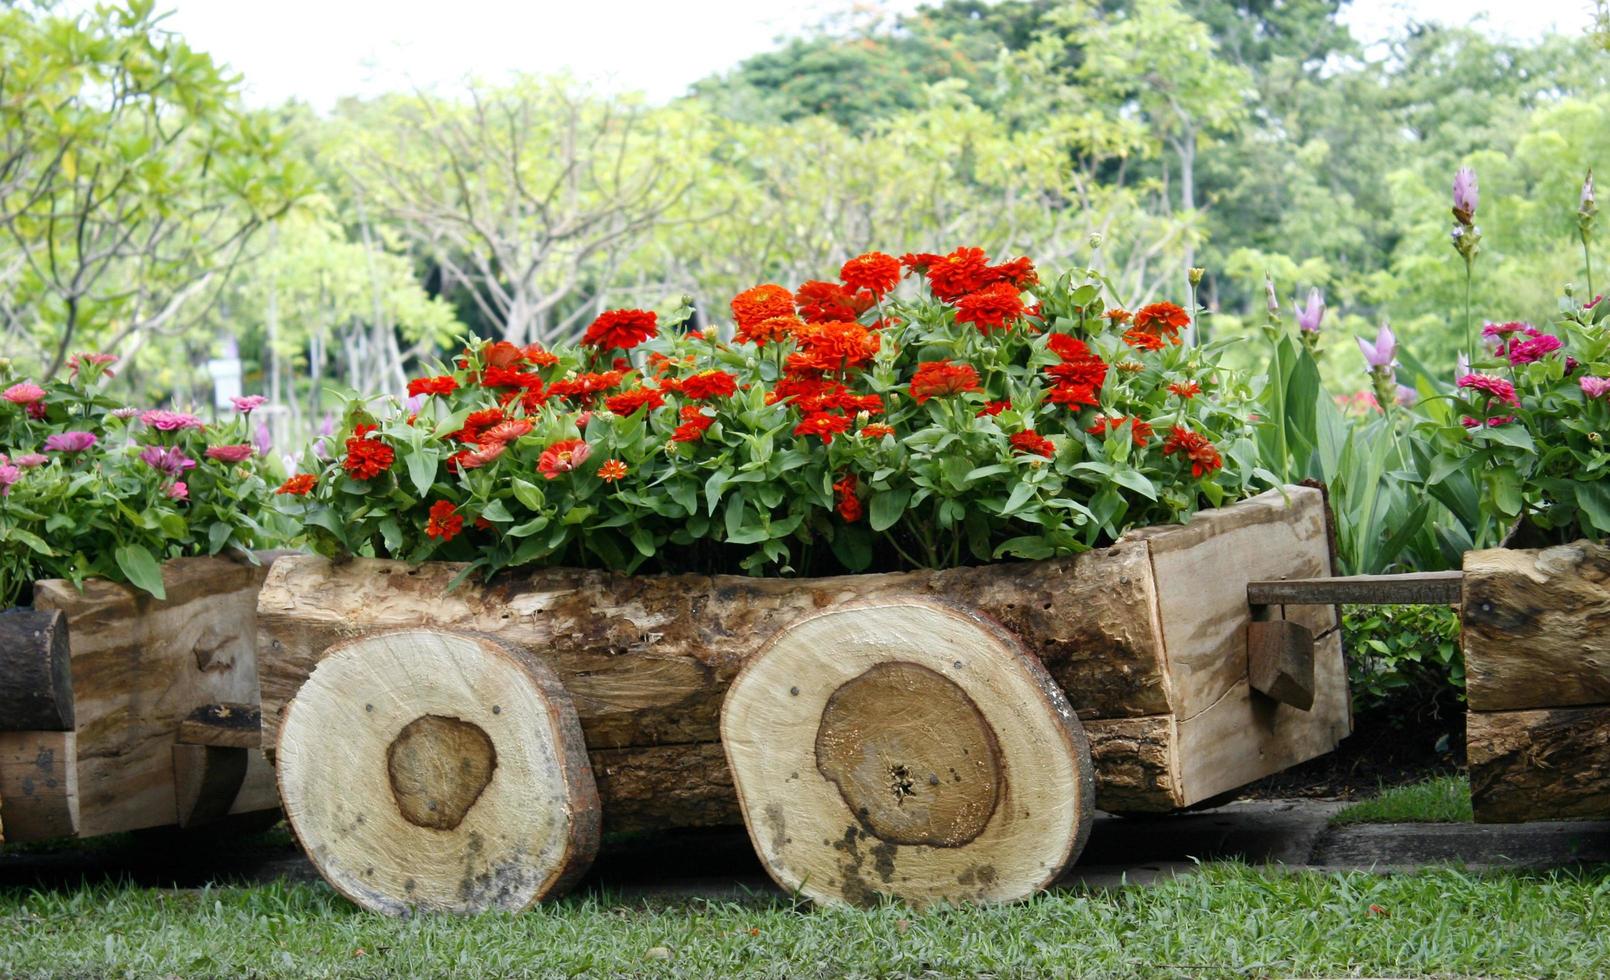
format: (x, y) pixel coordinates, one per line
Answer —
(1470, 337)
(1587, 259)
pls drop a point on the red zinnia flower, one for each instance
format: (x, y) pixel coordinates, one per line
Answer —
(763, 302)
(505, 432)
(1185, 389)
(990, 308)
(694, 422)
(833, 346)
(849, 505)
(1163, 320)
(1140, 431)
(445, 521)
(562, 457)
(994, 408)
(938, 378)
(611, 470)
(475, 422)
(621, 329)
(441, 385)
(505, 377)
(628, 402)
(1073, 396)
(299, 485)
(539, 356)
(367, 458)
(827, 302)
(1117, 315)
(709, 384)
(583, 387)
(1196, 447)
(876, 430)
(822, 424)
(768, 330)
(961, 272)
(1141, 340)
(875, 272)
(1029, 441)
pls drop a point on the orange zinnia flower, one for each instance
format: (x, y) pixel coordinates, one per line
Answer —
(1163, 320)
(761, 303)
(611, 470)
(823, 424)
(299, 485)
(934, 379)
(445, 521)
(621, 329)
(1195, 447)
(1029, 441)
(875, 272)
(562, 457)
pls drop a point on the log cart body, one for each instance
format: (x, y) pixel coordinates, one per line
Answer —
(120, 712)
(928, 735)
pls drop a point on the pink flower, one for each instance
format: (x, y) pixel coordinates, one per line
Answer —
(24, 393)
(93, 362)
(8, 475)
(169, 459)
(1493, 388)
(170, 421)
(238, 453)
(1382, 354)
(1592, 387)
(1492, 423)
(245, 405)
(562, 457)
(123, 413)
(70, 442)
(1465, 194)
(178, 491)
(1533, 348)
(483, 454)
(1496, 332)
(30, 460)
(1310, 316)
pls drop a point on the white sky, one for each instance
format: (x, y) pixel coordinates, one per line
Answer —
(320, 50)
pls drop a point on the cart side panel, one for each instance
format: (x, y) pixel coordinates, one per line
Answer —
(140, 666)
(1230, 735)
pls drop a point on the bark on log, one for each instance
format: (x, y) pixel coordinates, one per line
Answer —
(206, 778)
(431, 770)
(39, 785)
(1547, 764)
(906, 749)
(1536, 627)
(36, 681)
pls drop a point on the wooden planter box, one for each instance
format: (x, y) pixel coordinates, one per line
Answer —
(112, 712)
(1144, 648)
(1536, 636)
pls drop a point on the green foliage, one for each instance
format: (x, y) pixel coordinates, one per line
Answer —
(1444, 799)
(105, 512)
(1405, 658)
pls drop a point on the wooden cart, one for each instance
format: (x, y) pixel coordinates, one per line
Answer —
(927, 735)
(122, 712)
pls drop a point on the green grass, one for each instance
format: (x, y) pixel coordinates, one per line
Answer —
(1223, 920)
(1445, 799)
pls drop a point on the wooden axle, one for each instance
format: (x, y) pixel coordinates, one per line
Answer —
(1415, 588)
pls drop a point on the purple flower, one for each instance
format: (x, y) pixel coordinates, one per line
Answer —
(1310, 316)
(169, 459)
(414, 404)
(1465, 195)
(1595, 387)
(1407, 396)
(70, 442)
(1383, 353)
(327, 426)
(245, 405)
(178, 491)
(170, 421)
(30, 460)
(262, 439)
(8, 475)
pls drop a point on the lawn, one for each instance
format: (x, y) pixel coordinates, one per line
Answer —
(1224, 920)
(1442, 799)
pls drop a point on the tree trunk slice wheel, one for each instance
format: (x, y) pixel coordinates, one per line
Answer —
(907, 749)
(425, 769)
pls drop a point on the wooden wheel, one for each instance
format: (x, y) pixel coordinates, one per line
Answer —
(437, 770)
(907, 749)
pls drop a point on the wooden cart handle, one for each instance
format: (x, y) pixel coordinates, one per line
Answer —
(1415, 588)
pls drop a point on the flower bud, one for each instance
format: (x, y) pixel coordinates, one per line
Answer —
(1269, 296)
(1095, 239)
(1195, 275)
(1466, 196)
(1587, 205)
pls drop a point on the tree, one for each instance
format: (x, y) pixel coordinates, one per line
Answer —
(130, 181)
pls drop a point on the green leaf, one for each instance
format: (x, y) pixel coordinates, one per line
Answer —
(140, 569)
(1021, 495)
(422, 469)
(496, 511)
(1136, 481)
(887, 507)
(218, 536)
(528, 494)
(1594, 499)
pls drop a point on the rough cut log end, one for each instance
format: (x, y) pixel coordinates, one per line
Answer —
(36, 680)
(206, 780)
(906, 749)
(1280, 661)
(434, 770)
(39, 785)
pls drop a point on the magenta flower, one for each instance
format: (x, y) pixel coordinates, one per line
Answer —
(236, 453)
(1492, 423)
(24, 393)
(1309, 317)
(1533, 348)
(1383, 353)
(30, 460)
(178, 491)
(169, 459)
(1494, 388)
(1496, 333)
(246, 405)
(170, 421)
(8, 475)
(70, 442)
(1595, 387)
(1465, 195)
